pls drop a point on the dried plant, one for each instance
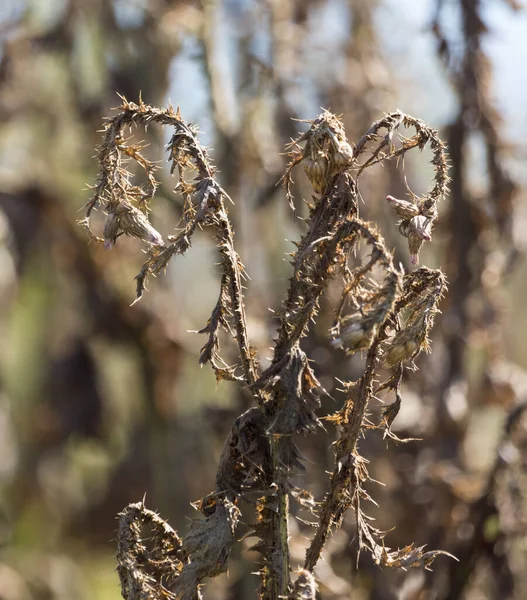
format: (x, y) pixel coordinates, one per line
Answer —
(382, 313)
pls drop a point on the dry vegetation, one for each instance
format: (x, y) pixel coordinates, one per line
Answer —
(101, 401)
(383, 313)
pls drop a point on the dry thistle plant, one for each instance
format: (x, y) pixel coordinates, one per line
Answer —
(382, 313)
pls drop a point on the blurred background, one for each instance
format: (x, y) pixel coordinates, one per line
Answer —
(102, 402)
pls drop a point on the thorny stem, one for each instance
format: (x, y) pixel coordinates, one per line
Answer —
(333, 507)
(280, 579)
(344, 480)
(276, 510)
(316, 253)
(232, 267)
(312, 268)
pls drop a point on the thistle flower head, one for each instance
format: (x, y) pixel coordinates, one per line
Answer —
(354, 332)
(416, 230)
(413, 338)
(326, 152)
(125, 218)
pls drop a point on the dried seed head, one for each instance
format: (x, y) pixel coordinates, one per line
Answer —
(396, 353)
(419, 226)
(422, 227)
(404, 209)
(355, 332)
(326, 152)
(417, 229)
(406, 344)
(136, 224)
(413, 338)
(316, 171)
(131, 221)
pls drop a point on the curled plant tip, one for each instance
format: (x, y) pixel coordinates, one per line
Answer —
(425, 209)
(305, 587)
(147, 572)
(128, 220)
(404, 209)
(125, 205)
(424, 136)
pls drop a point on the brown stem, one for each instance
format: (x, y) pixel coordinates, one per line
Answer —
(231, 263)
(343, 484)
